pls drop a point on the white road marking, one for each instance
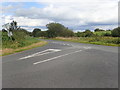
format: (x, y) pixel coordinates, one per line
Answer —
(61, 43)
(41, 53)
(50, 59)
(87, 47)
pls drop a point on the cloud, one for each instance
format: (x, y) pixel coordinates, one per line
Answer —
(54, 1)
(72, 13)
(25, 21)
(106, 27)
(82, 13)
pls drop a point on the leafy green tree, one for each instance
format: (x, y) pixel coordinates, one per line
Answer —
(88, 33)
(43, 34)
(54, 29)
(79, 34)
(67, 33)
(36, 32)
(97, 30)
(107, 34)
(116, 32)
(57, 29)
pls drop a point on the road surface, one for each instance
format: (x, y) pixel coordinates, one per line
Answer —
(62, 65)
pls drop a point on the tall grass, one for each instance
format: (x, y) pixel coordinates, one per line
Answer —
(21, 40)
(109, 41)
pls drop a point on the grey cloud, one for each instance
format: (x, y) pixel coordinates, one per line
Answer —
(73, 15)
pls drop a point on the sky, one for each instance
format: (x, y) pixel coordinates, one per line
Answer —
(77, 15)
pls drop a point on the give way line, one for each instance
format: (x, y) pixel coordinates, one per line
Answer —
(41, 53)
(56, 57)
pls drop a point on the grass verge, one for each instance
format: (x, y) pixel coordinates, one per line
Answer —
(107, 41)
(7, 51)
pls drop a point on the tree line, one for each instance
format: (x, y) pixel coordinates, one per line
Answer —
(57, 30)
(54, 30)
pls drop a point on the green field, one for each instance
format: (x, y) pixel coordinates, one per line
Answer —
(108, 41)
(102, 33)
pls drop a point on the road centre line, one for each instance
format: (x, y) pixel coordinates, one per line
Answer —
(61, 43)
(50, 59)
(41, 53)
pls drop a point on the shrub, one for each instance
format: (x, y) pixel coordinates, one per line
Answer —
(107, 34)
(35, 32)
(17, 40)
(88, 33)
(95, 39)
(115, 41)
(116, 32)
(97, 30)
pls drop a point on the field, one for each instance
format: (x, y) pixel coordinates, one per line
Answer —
(108, 41)
(102, 33)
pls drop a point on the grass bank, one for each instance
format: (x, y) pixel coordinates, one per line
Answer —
(19, 41)
(108, 41)
(13, 47)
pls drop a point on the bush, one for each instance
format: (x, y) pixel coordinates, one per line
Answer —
(86, 33)
(115, 41)
(116, 32)
(103, 33)
(19, 35)
(36, 32)
(97, 30)
(107, 34)
(95, 39)
(17, 40)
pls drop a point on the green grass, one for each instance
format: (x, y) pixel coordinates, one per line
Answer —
(20, 42)
(108, 41)
(17, 44)
(33, 45)
(102, 33)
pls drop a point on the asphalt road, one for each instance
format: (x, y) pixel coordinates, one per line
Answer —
(62, 65)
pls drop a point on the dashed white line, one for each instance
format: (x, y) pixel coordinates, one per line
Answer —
(87, 47)
(61, 43)
(56, 57)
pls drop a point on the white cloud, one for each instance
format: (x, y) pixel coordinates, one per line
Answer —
(54, 1)
(25, 21)
(69, 13)
(105, 27)
(82, 13)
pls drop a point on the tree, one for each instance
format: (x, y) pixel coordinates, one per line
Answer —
(57, 29)
(36, 32)
(67, 33)
(116, 32)
(54, 29)
(86, 33)
(43, 34)
(97, 30)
